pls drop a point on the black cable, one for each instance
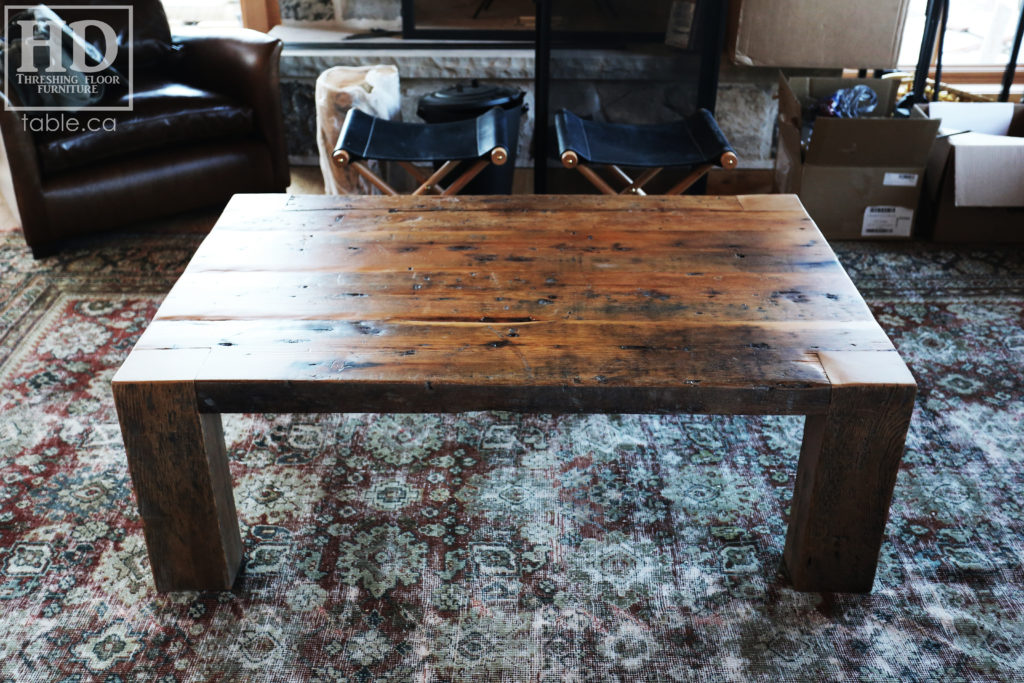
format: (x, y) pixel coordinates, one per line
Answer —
(541, 102)
(924, 57)
(1011, 66)
(938, 58)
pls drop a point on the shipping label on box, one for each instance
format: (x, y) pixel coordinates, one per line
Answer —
(902, 179)
(855, 202)
(887, 221)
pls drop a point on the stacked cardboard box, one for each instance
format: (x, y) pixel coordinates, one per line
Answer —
(975, 179)
(816, 33)
(859, 178)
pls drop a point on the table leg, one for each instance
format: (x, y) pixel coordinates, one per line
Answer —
(179, 471)
(847, 471)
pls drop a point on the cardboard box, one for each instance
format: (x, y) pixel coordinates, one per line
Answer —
(859, 178)
(975, 180)
(816, 33)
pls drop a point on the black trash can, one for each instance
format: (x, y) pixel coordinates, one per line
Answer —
(463, 102)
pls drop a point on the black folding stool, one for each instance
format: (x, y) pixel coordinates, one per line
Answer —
(481, 141)
(695, 142)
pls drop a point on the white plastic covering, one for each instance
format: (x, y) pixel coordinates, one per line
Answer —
(373, 89)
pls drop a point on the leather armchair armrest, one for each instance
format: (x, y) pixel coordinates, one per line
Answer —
(20, 180)
(245, 65)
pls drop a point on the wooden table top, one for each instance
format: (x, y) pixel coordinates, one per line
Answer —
(529, 303)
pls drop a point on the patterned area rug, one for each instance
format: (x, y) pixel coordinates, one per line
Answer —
(493, 546)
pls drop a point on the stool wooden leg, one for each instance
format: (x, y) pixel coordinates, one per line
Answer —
(848, 465)
(595, 180)
(464, 179)
(417, 175)
(636, 186)
(692, 177)
(179, 471)
(374, 179)
(430, 184)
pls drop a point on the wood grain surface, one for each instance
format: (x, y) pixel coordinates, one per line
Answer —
(732, 305)
(707, 304)
(179, 470)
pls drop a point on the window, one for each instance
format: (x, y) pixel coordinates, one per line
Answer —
(979, 37)
(204, 13)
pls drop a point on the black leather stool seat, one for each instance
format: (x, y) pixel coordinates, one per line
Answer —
(690, 142)
(367, 137)
(696, 143)
(465, 147)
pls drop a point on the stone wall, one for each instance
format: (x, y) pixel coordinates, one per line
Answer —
(359, 14)
(644, 87)
(649, 86)
(607, 85)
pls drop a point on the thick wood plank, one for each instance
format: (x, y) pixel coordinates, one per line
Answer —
(567, 357)
(318, 212)
(402, 336)
(320, 396)
(527, 203)
(458, 224)
(770, 202)
(225, 300)
(392, 292)
(397, 250)
(593, 233)
(718, 261)
(245, 207)
(179, 470)
(503, 379)
(847, 471)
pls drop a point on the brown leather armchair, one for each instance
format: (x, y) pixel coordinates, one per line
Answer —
(206, 123)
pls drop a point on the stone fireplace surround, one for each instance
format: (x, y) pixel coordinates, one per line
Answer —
(607, 84)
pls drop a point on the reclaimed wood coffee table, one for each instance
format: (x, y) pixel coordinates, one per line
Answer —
(718, 305)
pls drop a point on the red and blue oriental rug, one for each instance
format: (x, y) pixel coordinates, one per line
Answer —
(502, 547)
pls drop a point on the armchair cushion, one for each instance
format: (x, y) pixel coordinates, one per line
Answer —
(165, 115)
